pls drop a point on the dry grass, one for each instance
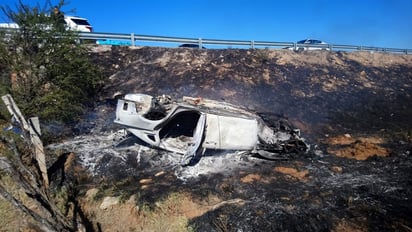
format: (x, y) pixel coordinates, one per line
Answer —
(359, 148)
(9, 216)
(293, 173)
(11, 219)
(167, 216)
(170, 214)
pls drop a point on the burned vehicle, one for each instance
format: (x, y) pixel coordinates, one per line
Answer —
(192, 125)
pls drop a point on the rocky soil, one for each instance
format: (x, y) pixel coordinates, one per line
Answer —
(352, 108)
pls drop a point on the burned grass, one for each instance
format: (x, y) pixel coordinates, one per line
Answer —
(353, 108)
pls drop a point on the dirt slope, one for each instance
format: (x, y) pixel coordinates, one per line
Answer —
(320, 91)
(353, 108)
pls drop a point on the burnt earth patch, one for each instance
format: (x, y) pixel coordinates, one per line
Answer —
(353, 108)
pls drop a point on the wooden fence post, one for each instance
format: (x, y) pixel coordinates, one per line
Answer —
(31, 132)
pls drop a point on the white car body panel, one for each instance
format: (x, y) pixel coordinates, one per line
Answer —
(230, 133)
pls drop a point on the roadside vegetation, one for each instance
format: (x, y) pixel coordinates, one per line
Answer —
(47, 71)
(45, 67)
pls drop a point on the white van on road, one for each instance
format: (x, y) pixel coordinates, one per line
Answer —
(75, 23)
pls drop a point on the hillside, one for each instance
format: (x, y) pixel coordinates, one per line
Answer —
(352, 108)
(321, 92)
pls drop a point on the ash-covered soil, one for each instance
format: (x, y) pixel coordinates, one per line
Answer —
(352, 108)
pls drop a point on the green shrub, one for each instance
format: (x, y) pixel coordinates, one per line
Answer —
(53, 75)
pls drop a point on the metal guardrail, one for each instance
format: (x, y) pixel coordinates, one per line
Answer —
(133, 38)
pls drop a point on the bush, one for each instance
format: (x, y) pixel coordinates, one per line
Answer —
(43, 67)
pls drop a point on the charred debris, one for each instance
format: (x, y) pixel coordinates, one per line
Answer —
(190, 125)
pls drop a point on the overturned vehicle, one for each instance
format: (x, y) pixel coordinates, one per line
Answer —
(192, 125)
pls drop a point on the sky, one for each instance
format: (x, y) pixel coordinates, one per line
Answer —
(379, 23)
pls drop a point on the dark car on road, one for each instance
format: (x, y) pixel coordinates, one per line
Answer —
(191, 46)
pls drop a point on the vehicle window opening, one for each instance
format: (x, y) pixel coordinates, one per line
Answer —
(81, 22)
(183, 124)
(139, 107)
(156, 112)
(125, 106)
(151, 137)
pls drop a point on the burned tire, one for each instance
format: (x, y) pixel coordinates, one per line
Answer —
(271, 155)
(282, 151)
(295, 146)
